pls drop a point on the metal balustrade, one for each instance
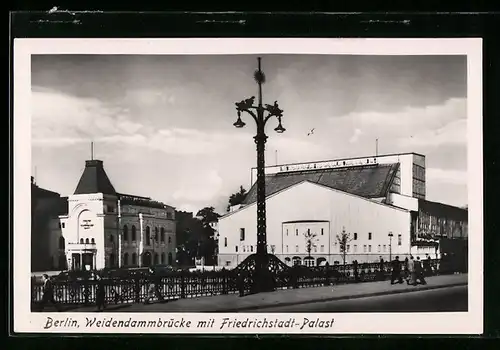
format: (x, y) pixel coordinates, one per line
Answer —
(172, 285)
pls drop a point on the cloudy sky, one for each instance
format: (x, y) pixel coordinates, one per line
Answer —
(163, 124)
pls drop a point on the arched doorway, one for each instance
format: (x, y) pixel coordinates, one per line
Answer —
(321, 261)
(309, 261)
(146, 259)
(170, 259)
(156, 258)
(112, 260)
(297, 260)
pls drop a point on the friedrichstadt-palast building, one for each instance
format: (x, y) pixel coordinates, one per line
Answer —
(379, 201)
(97, 227)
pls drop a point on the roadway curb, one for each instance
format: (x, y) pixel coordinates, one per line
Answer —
(345, 297)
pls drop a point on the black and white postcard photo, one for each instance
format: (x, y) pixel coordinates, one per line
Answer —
(292, 186)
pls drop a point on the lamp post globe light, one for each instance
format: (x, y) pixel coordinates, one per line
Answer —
(260, 265)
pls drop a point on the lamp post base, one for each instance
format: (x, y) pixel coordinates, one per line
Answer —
(262, 272)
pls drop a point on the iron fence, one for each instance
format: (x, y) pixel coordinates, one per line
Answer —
(174, 285)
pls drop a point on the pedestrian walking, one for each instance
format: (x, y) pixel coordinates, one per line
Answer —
(396, 271)
(150, 287)
(100, 297)
(48, 293)
(411, 272)
(419, 272)
(356, 271)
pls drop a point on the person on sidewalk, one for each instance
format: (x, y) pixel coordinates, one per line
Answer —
(100, 298)
(48, 293)
(150, 287)
(419, 272)
(396, 271)
(411, 272)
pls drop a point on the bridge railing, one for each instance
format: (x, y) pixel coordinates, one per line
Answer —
(174, 285)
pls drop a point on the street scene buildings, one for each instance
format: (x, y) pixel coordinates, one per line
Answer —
(330, 214)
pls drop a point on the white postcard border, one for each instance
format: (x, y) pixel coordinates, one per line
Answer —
(470, 322)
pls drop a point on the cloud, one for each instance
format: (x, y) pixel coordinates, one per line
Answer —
(200, 187)
(458, 177)
(407, 121)
(354, 138)
(453, 133)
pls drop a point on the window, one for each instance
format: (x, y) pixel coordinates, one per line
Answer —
(251, 248)
(225, 241)
(134, 235)
(92, 241)
(156, 237)
(296, 232)
(111, 238)
(86, 241)
(315, 249)
(125, 259)
(148, 235)
(322, 232)
(162, 258)
(355, 235)
(125, 232)
(369, 248)
(348, 247)
(286, 247)
(134, 258)
(162, 234)
(169, 239)
(244, 249)
(322, 248)
(228, 263)
(369, 235)
(355, 248)
(308, 231)
(364, 248)
(287, 232)
(63, 225)
(399, 240)
(236, 249)
(242, 234)
(378, 248)
(81, 240)
(296, 249)
(384, 248)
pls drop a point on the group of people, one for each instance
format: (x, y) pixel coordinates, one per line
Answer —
(413, 271)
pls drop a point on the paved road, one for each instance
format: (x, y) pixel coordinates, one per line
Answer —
(436, 300)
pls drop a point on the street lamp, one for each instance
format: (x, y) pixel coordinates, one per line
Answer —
(390, 245)
(261, 263)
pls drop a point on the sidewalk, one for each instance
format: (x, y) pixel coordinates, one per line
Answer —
(234, 303)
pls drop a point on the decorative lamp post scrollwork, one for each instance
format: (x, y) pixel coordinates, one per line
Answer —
(261, 114)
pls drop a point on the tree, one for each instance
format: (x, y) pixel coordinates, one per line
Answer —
(237, 198)
(343, 239)
(310, 241)
(208, 243)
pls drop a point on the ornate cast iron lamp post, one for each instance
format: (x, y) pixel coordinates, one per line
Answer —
(261, 263)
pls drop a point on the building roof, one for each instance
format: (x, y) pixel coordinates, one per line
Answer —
(443, 210)
(94, 179)
(40, 192)
(128, 199)
(370, 181)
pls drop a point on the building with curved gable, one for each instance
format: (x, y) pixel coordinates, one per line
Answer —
(378, 203)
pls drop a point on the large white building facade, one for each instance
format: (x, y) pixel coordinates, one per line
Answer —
(379, 202)
(97, 227)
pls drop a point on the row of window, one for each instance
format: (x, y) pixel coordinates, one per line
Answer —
(322, 232)
(157, 259)
(155, 237)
